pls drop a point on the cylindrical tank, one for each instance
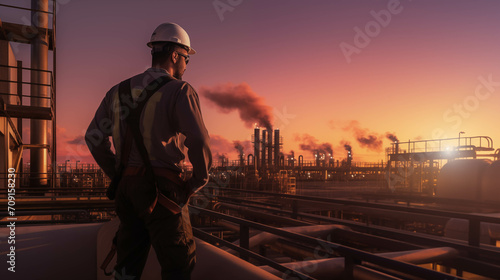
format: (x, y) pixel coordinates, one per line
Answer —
(490, 185)
(461, 179)
(39, 92)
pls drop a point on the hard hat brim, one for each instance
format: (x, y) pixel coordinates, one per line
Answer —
(191, 50)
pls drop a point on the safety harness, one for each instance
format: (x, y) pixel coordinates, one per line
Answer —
(133, 132)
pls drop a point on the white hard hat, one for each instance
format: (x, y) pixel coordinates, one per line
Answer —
(171, 32)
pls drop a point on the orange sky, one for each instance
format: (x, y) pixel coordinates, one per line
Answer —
(421, 74)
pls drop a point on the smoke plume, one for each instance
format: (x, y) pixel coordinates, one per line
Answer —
(309, 143)
(230, 149)
(238, 146)
(365, 138)
(348, 147)
(392, 137)
(250, 106)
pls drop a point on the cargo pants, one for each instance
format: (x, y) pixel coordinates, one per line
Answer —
(170, 235)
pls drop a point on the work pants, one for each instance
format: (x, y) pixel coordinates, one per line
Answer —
(171, 235)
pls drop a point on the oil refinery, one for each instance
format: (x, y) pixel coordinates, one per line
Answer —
(430, 210)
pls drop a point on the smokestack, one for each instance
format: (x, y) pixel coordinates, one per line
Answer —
(348, 148)
(394, 139)
(263, 149)
(39, 93)
(256, 145)
(241, 154)
(277, 147)
(291, 159)
(270, 147)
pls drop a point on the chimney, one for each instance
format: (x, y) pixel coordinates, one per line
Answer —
(263, 149)
(270, 148)
(277, 147)
(256, 145)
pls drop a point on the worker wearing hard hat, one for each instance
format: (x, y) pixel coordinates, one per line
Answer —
(155, 121)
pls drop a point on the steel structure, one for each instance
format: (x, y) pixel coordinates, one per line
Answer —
(39, 105)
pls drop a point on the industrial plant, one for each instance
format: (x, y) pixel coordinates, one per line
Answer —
(430, 210)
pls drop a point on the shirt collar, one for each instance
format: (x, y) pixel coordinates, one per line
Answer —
(158, 70)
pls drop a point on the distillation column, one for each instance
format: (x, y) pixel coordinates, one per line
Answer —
(39, 93)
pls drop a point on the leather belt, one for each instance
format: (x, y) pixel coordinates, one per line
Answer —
(158, 171)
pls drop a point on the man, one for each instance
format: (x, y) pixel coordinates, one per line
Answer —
(170, 124)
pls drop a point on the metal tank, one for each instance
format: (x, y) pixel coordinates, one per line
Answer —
(461, 179)
(490, 184)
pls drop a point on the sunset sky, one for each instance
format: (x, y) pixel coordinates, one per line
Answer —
(335, 70)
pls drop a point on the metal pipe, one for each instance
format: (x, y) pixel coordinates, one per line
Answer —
(277, 148)
(270, 148)
(256, 145)
(333, 268)
(316, 231)
(263, 149)
(39, 61)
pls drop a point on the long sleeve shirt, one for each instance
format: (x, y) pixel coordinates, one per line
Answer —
(171, 125)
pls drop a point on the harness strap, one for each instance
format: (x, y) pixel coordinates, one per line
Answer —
(133, 130)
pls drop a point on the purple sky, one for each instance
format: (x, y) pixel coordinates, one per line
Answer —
(425, 62)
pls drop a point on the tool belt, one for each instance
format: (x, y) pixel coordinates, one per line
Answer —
(160, 198)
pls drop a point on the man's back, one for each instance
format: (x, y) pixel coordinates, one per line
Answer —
(150, 197)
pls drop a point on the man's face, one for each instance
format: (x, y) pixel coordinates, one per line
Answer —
(180, 64)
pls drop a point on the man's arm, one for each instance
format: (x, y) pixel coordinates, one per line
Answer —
(188, 114)
(97, 138)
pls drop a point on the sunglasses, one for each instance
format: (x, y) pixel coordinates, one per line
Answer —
(186, 57)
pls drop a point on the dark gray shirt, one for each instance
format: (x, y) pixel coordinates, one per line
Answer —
(171, 125)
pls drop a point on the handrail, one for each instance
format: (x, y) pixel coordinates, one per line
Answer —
(352, 256)
(27, 9)
(247, 253)
(474, 219)
(437, 144)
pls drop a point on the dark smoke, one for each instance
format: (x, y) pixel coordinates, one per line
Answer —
(392, 137)
(348, 147)
(239, 147)
(251, 107)
(327, 147)
(370, 141)
(365, 138)
(309, 143)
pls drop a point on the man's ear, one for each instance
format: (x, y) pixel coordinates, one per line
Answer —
(174, 57)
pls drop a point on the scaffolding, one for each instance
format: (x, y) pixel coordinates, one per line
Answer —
(38, 104)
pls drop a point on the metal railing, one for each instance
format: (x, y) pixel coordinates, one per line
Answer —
(440, 145)
(475, 220)
(352, 257)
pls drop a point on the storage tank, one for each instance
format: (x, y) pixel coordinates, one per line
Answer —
(490, 185)
(461, 179)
